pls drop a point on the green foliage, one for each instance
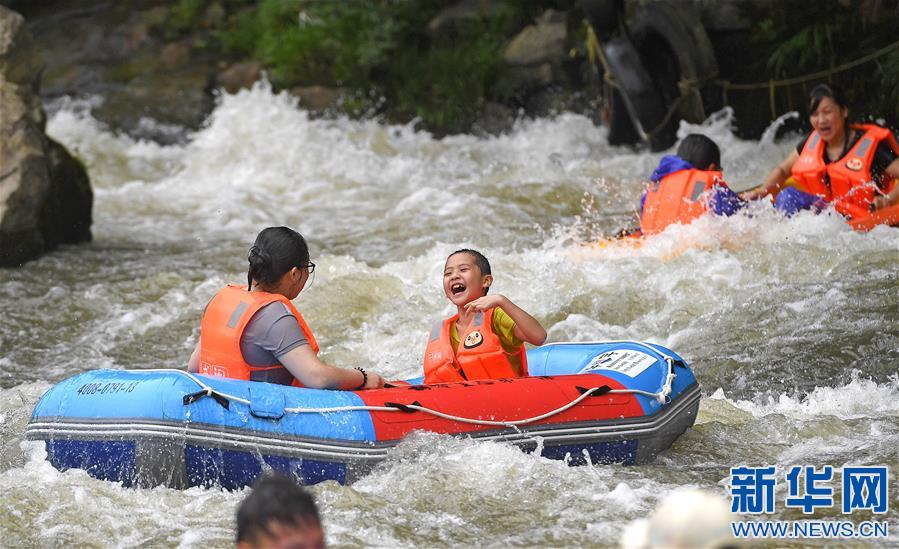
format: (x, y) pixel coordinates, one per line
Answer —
(793, 40)
(807, 48)
(183, 16)
(188, 11)
(446, 87)
(380, 48)
(333, 43)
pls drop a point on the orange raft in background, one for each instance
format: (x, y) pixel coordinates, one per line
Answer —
(884, 216)
(858, 218)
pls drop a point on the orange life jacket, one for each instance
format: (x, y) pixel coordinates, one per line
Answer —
(846, 182)
(675, 199)
(224, 322)
(480, 354)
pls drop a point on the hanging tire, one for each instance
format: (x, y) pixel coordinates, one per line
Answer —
(673, 47)
(604, 16)
(634, 104)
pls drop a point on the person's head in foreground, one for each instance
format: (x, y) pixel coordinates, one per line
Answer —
(279, 514)
(279, 262)
(688, 518)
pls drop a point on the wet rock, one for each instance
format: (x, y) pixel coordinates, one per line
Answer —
(45, 196)
(535, 57)
(239, 76)
(452, 21)
(66, 215)
(317, 98)
(518, 80)
(175, 54)
(20, 65)
(495, 119)
(146, 79)
(543, 42)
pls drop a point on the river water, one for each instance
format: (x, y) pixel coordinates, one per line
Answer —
(791, 325)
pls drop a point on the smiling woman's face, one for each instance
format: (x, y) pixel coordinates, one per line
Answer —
(829, 119)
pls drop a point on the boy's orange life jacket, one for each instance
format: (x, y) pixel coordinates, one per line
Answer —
(675, 199)
(848, 181)
(224, 322)
(480, 354)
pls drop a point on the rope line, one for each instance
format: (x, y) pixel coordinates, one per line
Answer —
(688, 86)
(662, 396)
(812, 76)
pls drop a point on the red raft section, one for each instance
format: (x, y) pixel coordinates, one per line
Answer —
(498, 400)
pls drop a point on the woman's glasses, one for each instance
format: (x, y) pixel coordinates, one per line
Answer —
(311, 267)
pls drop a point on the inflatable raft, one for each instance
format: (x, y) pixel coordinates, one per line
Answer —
(601, 402)
(885, 216)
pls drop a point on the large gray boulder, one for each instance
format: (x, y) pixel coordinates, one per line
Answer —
(535, 55)
(45, 194)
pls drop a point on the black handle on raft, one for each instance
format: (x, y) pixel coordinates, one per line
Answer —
(598, 392)
(193, 397)
(403, 407)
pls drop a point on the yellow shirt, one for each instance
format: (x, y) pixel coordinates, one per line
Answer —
(504, 328)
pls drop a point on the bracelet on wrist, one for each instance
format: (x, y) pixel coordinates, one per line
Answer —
(364, 379)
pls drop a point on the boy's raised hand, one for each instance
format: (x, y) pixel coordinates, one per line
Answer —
(527, 328)
(486, 302)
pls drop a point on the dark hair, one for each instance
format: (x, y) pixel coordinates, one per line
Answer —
(479, 260)
(821, 91)
(275, 498)
(276, 251)
(700, 151)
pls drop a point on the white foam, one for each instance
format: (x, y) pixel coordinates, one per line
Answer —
(860, 398)
(382, 206)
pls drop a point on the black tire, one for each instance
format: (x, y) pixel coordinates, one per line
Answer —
(621, 127)
(635, 106)
(604, 16)
(673, 46)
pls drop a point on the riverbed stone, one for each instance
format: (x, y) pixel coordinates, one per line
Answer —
(535, 56)
(543, 42)
(45, 195)
(238, 76)
(66, 216)
(317, 98)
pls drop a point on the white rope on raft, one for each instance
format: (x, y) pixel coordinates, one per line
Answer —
(660, 396)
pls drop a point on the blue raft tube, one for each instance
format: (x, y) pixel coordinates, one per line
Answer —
(599, 402)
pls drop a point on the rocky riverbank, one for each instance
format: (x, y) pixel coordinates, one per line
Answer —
(456, 67)
(453, 66)
(45, 195)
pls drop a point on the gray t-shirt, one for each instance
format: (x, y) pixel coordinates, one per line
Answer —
(271, 333)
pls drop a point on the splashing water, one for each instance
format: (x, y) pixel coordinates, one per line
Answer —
(791, 325)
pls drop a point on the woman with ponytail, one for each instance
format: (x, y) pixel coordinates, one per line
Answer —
(255, 333)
